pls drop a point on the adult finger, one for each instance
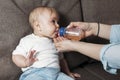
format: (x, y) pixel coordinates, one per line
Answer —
(74, 24)
(71, 25)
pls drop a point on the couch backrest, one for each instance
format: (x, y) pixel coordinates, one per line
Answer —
(104, 11)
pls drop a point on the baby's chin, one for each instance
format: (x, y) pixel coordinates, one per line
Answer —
(54, 36)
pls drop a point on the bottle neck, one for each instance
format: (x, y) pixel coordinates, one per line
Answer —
(62, 31)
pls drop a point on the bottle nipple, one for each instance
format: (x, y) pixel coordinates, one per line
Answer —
(62, 31)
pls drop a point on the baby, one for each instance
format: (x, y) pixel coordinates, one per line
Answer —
(36, 53)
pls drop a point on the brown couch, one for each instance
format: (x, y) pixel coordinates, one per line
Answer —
(14, 25)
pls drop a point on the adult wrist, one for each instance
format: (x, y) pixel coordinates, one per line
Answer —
(94, 27)
(98, 29)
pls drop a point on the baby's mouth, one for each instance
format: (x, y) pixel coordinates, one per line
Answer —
(56, 33)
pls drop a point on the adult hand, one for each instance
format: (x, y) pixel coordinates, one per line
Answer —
(63, 44)
(88, 28)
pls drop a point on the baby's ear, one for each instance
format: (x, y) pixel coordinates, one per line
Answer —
(36, 25)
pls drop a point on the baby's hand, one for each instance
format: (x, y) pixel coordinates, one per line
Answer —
(74, 75)
(30, 58)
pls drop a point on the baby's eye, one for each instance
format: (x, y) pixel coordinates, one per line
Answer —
(53, 21)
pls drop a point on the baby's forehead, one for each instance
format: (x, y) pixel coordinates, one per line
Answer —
(41, 12)
(44, 10)
(47, 11)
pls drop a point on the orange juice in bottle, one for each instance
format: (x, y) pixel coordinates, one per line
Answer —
(72, 33)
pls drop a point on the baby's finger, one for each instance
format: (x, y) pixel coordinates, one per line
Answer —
(31, 53)
(35, 59)
(55, 40)
(61, 38)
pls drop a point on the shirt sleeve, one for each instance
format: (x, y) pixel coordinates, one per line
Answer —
(109, 54)
(20, 49)
(115, 34)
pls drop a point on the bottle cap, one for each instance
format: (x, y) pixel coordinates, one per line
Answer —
(62, 31)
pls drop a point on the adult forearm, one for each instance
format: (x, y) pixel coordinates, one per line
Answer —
(88, 49)
(103, 31)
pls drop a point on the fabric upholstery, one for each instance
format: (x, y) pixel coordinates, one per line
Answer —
(66, 8)
(104, 11)
(14, 25)
(94, 71)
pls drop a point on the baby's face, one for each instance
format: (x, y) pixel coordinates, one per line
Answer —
(49, 24)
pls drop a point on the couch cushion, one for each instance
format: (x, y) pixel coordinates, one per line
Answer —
(105, 11)
(13, 25)
(75, 59)
(95, 71)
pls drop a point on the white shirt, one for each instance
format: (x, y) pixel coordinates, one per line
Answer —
(45, 51)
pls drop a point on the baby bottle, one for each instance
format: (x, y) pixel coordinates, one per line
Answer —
(71, 33)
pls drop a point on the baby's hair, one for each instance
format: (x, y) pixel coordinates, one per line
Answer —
(35, 13)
